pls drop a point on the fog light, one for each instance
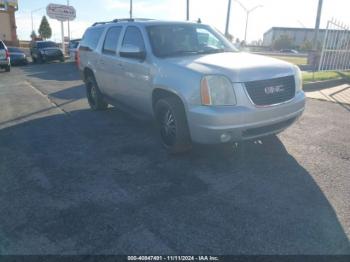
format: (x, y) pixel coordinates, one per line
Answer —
(225, 138)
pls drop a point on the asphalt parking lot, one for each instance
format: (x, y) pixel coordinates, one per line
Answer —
(75, 181)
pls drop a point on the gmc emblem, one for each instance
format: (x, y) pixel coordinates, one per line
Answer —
(270, 90)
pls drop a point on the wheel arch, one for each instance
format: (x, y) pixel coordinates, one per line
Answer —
(87, 72)
(160, 92)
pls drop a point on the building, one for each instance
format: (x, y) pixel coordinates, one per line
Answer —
(8, 28)
(299, 36)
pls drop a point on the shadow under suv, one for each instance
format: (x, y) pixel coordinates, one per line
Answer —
(190, 79)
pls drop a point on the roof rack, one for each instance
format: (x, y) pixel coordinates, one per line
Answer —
(122, 20)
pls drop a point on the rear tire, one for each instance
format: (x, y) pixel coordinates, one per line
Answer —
(94, 95)
(172, 122)
(62, 59)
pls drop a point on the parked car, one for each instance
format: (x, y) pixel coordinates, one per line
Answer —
(18, 57)
(289, 51)
(72, 48)
(44, 51)
(190, 79)
(5, 61)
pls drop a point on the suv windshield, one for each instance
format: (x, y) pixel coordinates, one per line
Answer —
(73, 44)
(186, 39)
(14, 50)
(46, 44)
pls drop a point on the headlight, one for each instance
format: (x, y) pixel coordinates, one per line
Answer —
(217, 91)
(298, 79)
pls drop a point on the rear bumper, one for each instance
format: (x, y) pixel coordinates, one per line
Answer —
(4, 63)
(213, 125)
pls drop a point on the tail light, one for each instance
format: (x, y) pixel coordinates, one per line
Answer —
(7, 54)
(77, 58)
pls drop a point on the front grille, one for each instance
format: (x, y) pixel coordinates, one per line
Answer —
(271, 91)
(268, 129)
(53, 52)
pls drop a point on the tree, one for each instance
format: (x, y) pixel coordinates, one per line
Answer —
(45, 29)
(284, 42)
(33, 35)
(306, 46)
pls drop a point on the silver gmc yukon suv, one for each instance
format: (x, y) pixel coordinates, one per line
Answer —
(190, 79)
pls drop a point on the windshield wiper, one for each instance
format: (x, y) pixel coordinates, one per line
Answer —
(181, 52)
(214, 51)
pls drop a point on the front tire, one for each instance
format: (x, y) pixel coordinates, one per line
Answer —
(94, 95)
(172, 122)
(40, 59)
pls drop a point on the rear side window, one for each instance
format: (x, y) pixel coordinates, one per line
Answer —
(133, 37)
(91, 38)
(111, 41)
(2, 45)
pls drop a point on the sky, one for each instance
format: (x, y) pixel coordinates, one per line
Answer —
(279, 13)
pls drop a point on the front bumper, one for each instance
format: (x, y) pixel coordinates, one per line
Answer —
(52, 57)
(214, 125)
(19, 61)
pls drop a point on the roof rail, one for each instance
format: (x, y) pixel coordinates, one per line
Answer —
(101, 23)
(122, 20)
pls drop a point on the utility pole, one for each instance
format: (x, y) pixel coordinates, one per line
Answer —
(317, 25)
(130, 9)
(31, 15)
(68, 23)
(188, 10)
(62, 35)
(228, 18)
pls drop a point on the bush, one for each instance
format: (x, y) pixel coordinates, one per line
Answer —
(284, 42)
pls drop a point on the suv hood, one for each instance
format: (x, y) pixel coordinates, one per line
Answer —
(49, 48)
(239, 67)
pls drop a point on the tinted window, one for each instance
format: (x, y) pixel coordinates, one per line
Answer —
(46, 44)
(111, 41)
(14, 50)
(73, 44)
(133, 37)
(91, 38)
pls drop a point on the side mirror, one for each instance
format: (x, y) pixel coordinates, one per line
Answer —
(131, 51)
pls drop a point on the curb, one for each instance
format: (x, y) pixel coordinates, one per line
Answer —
(319, 85)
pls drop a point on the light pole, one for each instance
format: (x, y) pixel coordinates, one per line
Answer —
(68, 23)
(317, 25)
(130, 9)
(248, 11)
(228, 18)
(188, 10)
(31, 15)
